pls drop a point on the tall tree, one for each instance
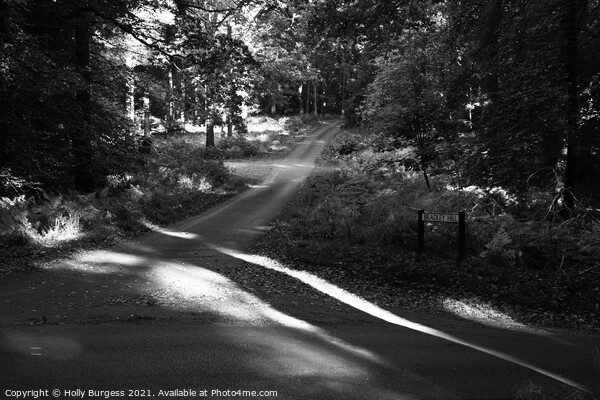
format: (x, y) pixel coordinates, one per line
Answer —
(574, 14)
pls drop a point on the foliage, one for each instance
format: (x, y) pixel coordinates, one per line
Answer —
(497, 251)
(238, 147)
(175, 183)
(364, 211)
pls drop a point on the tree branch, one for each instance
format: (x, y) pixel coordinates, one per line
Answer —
(590, 269)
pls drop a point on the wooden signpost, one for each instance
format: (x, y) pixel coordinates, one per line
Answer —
(454, 218)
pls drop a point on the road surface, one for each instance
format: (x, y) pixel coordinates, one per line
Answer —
(189, 312)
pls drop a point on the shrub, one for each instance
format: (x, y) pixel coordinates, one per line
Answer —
(293, 124)
(238, 147)
(170, 185)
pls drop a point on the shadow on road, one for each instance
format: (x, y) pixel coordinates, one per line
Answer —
(197, 305)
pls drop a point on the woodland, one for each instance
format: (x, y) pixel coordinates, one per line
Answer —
(111, 112)
(499, 93)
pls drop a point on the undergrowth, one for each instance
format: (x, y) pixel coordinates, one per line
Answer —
(266, 138)
(366, 196)
(175, 183)
(179, 178)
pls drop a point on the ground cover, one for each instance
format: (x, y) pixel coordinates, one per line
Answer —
(179, 178)
(354, 224)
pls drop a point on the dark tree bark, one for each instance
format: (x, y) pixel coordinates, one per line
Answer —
(306, 94)
(573, 10)
(82, 153)
(210, 133)
(301, 100)
(315, 100)
(494, 19)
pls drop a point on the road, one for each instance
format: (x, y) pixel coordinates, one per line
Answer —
(189, 308)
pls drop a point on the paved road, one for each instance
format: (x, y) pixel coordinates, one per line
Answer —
(188, 308)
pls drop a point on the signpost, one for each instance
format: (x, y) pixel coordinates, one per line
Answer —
(453, 218)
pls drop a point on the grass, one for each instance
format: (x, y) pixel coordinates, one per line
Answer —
(354, 222)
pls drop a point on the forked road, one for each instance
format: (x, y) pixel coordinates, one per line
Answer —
(191, 312)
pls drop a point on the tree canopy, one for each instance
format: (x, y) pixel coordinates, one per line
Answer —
(501, 93)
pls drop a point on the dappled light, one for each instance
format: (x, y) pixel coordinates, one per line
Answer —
(197, 288)
(371, 309)
(190, 183)
(63, 229)
(350, 196)
(171, 232)
(107, 256)
(484, 314)
(192, 288)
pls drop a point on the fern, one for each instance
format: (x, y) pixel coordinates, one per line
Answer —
(498, 251)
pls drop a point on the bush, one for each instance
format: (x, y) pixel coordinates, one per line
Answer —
(238, 147)
(176, 181)
(293, 124)
(373, 197)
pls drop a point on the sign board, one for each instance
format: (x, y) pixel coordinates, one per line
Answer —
(458, 218)
(434, 217)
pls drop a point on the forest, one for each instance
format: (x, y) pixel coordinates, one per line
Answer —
(489, 106)
(498, 93)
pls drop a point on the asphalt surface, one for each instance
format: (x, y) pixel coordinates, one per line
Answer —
(190, 312)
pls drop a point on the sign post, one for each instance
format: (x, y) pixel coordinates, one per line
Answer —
(462, 231)
(420, 234)
(454, 218)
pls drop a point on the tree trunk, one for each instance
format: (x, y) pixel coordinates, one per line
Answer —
(426, 178)
(183, 101)
(573, 8)
(146, 116)
(315, 99)
(171, 107)
(492, 45)
(210, 133)
(131, 98)
(82, 153)
(306, 93)
(300, 99)
(230, 125)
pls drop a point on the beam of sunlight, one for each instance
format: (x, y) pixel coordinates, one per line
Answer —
(112, 257)
(99, 262)
(170, 232)
(371, 309)
(195, 287)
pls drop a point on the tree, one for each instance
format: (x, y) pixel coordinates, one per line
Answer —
(407, 98)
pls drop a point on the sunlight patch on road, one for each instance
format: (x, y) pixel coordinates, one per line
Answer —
(110, 257)
(483, 314)
(170, 232)
(371, 309)
(196, 288)
(282, 166)
(99, 262)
